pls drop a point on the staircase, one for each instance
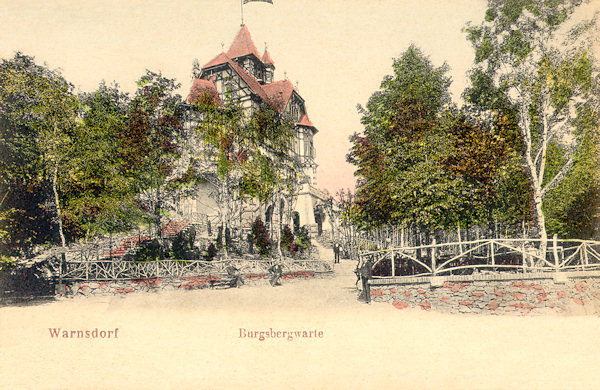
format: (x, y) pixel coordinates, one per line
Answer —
(170, 230)
(124, 247)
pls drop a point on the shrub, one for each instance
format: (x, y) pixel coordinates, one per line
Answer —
(150, 251)
(183, 244)
(287, 240)
(260, 236)
(179, 247)
(303, 239)
(211, 252)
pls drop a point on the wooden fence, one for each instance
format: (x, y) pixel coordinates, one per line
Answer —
(120, 269)
(521, 255)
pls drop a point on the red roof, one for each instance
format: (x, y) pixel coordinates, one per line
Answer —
(201, 85)
(249, 79)
(304, 121)
(242, 45)
(279, 92)
(266, 58)
(218, 60)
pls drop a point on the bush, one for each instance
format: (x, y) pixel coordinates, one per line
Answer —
(150, 251)
(179, 247)
(183, 244)
(211, 252)
(287, 240)
(260, 236)
(303, 239)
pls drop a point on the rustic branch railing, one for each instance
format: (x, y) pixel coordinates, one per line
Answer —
(119, 269)
(517, 255)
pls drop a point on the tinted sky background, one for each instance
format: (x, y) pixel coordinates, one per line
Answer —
(337, 50)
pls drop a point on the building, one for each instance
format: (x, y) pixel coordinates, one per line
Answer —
(246, 75)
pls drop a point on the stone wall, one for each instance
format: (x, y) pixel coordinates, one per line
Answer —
(127, 286)
(513, 294)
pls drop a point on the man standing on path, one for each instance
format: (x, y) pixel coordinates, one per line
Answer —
(365, 272)
(336, 252)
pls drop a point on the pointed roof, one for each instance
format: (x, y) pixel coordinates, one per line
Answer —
(266, 58)
(203, 86)
(279, 92)
(218, 60)
(242, 44)
(248, 79)
(243, 73)
(304, 121)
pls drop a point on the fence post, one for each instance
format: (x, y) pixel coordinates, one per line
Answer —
(585, 254)
(433, 265)
(393, 264)
(493, 253)
(87, 270)
(60, 273)
(524, 256)
(555, 250)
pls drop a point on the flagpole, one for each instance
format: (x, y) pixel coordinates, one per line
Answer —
(242, 11)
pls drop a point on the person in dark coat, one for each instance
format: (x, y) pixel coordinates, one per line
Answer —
(276, 271)
(366, 272)
(336, 252)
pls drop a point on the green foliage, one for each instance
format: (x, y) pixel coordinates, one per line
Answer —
(99, 196)
(535, 77)
(515, 44)
(150, 143)
(395, 157)
(303, 239)
(150, 251)
(261, 238)
(573, 208)
(485, 49)
(37, 119)
(287, 240)
(183, 244)
(6, 263)
(246, 156)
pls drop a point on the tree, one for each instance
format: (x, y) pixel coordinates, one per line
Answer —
(220, 152)
(271, 134)
(400, 179)
(38, 115)
(151, 144)
(244, 156)
(524, 62)
(100, 196)
(573, 208)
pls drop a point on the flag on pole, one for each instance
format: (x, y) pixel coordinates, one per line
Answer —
(264, 1)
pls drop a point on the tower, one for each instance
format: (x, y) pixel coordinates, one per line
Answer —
(243, 73)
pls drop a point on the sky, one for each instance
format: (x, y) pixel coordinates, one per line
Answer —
(337, 51)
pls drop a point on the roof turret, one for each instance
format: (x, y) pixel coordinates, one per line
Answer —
(243, 45)
(266, 58)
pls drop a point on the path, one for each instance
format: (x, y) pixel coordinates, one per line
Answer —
(336, 292)
(191, 340)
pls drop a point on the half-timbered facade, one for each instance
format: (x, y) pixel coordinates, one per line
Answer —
(245, 75)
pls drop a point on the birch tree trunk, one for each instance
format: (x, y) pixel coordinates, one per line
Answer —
(225, 207)
(61, 234)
